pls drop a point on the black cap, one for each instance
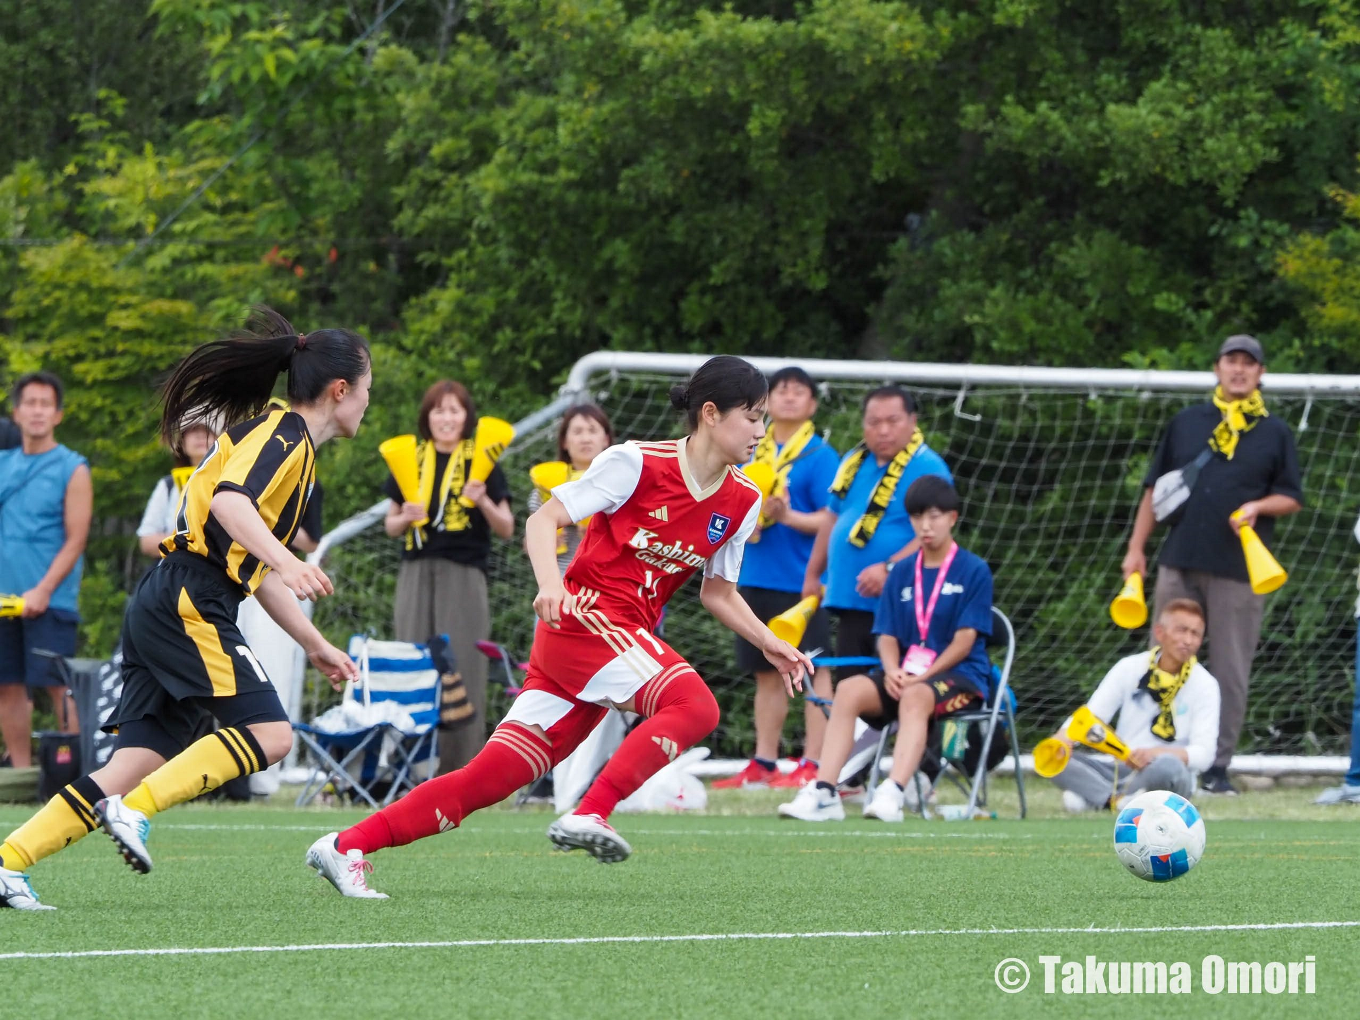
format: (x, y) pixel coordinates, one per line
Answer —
(1246, 344)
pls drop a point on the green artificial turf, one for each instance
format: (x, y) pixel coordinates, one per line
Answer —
(233, 877)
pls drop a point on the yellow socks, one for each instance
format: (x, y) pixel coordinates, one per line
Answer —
(60, 822)
(203, 766)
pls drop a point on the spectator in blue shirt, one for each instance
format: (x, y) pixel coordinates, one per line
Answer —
(772, 572)
(865, 528)
(46, 502)
(934, 616)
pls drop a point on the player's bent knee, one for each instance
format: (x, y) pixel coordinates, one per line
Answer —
(275, 739)
(706, 712)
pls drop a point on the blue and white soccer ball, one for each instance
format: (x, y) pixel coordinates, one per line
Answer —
(1159, 836)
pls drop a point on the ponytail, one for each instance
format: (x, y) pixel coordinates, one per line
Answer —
(726, 381)
(226, 381)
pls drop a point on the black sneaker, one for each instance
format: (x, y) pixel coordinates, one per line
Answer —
(1215, 780)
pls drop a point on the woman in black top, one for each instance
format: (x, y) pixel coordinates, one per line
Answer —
(441, 585)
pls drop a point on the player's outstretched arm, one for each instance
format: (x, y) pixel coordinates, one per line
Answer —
(247, 528)
(540, 542)
(721, 598)
(282, 606)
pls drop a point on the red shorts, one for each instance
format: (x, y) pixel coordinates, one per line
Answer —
(576, 672)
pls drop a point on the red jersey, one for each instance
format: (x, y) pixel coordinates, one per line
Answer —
(651, 528)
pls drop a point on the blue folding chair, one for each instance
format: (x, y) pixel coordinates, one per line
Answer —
(385, 726)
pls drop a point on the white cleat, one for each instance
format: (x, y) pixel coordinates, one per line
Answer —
(1075, 803)
(592, 834)
(348, 872)
(886, 805)
(128, 828)
(813, 803)
(16, 891)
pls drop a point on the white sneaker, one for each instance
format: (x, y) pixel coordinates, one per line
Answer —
(1343, 794)
(128, 828)
(1075, 802)
(348, 872)
(592, 834)
(17, 891)
(814, 803)
(886, 805)
(910, 800)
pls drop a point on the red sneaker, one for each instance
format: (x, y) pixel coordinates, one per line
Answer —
(753, 777)
(805, 772)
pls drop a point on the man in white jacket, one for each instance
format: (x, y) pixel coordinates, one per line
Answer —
(1167, 706)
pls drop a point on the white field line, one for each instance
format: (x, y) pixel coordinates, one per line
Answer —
(656, 939)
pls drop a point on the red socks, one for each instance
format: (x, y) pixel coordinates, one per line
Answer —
(513, 757)
(680, 712)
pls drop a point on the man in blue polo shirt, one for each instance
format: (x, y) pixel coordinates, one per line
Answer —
(773, 567)
(46, 502)
(865, 529)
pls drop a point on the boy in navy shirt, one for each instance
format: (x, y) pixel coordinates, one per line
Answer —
(932, 622)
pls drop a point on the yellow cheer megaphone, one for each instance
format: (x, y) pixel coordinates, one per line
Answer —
(493, 436)
(181, 475)
(1051, 757)
(400, 454)
(791, 624)
(1129, 609)
(548, 476)
(11, 605)
(1089, 729)
(763, 475)
(1263, 569)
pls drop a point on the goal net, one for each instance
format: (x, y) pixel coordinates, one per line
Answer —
(1050, 466)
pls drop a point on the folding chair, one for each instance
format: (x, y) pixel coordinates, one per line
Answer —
(382, 729)
(999, 709)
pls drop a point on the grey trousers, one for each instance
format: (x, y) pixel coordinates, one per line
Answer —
(1092, 777)
(438, 596)
(1233, 614)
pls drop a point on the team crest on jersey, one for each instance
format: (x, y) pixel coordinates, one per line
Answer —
(717, 527)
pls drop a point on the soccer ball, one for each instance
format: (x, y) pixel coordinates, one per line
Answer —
(1159, 836)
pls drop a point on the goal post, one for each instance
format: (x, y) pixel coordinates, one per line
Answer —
(1049, 463)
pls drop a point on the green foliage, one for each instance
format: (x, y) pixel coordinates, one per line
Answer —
(490, 191)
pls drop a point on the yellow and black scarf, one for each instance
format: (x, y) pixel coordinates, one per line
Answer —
(782, 460)
(882, 496)
(1164, 686)
(450, 488)
(1239, 417)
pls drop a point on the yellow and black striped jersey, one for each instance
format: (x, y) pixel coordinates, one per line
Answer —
(272, 460)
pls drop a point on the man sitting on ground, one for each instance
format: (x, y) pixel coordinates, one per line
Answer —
(932, 621)
(1167, 705)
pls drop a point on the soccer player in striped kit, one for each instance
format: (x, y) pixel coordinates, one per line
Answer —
(659, 512)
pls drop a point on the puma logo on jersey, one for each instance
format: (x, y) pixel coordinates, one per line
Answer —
(285, 442)
(643, 539)
(444, 824)
(668, 746)
(660, 515)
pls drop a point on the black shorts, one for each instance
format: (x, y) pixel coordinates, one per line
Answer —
(767, 603)
(952, 693)
(20, 640)
(184, 658)
(854, 636)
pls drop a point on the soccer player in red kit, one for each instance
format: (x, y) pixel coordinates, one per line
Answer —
(658, 512)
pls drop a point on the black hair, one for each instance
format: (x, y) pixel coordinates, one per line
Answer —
(39, 378)
(931, 492)
(231, 379)
(729, 382)
(792, 373)
(891, 390)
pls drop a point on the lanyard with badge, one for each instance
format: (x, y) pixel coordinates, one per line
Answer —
(919, 658)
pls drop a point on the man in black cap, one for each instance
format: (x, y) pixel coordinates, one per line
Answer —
(1220, 464)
